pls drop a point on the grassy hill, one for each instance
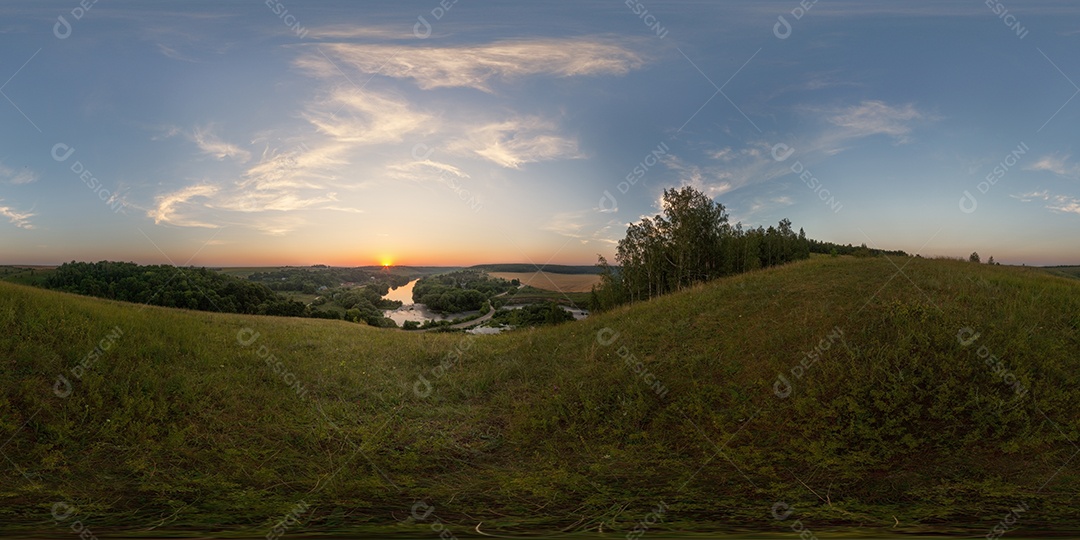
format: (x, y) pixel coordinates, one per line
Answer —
(1067, 271)
(942, 398)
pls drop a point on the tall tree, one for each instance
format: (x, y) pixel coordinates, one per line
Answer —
(692, 242)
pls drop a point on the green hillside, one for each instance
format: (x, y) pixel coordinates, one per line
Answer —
(1067, 271)
(940, 398)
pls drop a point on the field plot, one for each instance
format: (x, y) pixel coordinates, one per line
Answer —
(553, 282)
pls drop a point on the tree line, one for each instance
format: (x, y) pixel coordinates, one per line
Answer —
(169, 286)
(464, 290)
(207, 290)
(692, 242)
(310, 280)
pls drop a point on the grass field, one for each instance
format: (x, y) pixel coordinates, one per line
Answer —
(1067, 271)
(553, 282)
(936, 399)
(25, 274)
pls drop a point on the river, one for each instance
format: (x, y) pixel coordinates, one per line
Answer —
(415, 312)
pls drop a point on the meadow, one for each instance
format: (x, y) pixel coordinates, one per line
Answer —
(883, 395)
(551, 281)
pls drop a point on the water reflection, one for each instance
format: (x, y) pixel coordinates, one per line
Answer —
(416, 312)
(410, 311)
(403, 293)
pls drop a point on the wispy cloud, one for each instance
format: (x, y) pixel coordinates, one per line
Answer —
(170, 52)
(361, 128)
(17, 218)
(768, 203)
(281, 182)
(582, 226)
(1056, 203)
(17, 177)
(877, 118)
(168, 207)
(714, 180)
(477, 66)
(424, 170)
(349, 31)
(212, 145)
(365, 117)
(303, 177)
(731, 168)
(514, 142)
(1058, 165)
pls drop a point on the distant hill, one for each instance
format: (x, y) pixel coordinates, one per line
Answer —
(549, 268)
(899, 396)
(1067, 271)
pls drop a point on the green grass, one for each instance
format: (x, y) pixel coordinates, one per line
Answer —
(25, 275)
(531, 295)
(1067, 271)
(179, 427)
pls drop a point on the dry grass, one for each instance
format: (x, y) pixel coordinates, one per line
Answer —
(553, 282)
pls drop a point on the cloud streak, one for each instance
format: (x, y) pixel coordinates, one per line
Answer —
(1057, 203)
(730, 168)
(1058, 165)
(514, 142)
(17, 218)
(476, 66)
(877, 118)
(17, 177)
(364, 118)
(213, 146)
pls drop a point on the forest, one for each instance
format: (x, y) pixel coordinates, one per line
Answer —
(693, 242)
(310, 280)
(169, 286)
(208, 290)
(464, 290)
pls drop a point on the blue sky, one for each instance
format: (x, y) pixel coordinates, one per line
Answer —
(465, 132)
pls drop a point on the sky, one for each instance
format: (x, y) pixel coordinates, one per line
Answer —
(460, 132)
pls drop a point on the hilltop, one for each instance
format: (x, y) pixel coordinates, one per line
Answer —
(897, 394)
